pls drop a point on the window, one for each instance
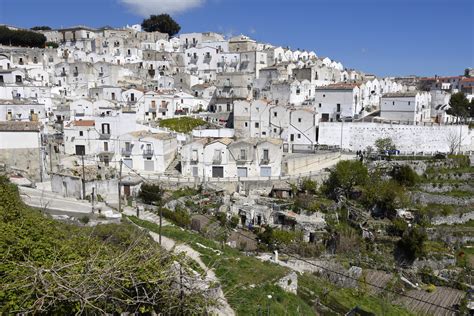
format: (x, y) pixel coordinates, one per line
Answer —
(228, 107)
(292, 137)
(324, 95)
(264, 133)
(105, 128)
(299, 135)
(81, 133)
(298, 91)
(274, 130)
(409, 102)
(275, 114)
(113, 95)
(265, 154)
(299, 120)
(319, 104)
(338, 106)
(132, 97)
(243, 154)
(257, 125)
(1, 79)
(393, 103)
(246, 124)
(18, 79)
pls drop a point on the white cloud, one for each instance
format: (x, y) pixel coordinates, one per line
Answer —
(146, 8)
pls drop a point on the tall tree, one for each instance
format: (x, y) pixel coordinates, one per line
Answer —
(344, 177)
(163, 23)
(459, 106)
(385, 145)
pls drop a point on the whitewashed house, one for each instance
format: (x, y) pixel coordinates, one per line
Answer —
(336, 101)
(410, 106)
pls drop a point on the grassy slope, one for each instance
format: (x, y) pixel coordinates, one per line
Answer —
(237, 272)
(246, 281)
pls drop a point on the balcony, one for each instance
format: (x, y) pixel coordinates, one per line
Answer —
(194, 161)
(126, 151)
(264, 161)
(75, 73)
(148, 152)
(104, 136)
(63, 74)
(109, 151)
(101, 74)
(241, 160)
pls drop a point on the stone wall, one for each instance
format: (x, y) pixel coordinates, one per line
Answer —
(407, 138)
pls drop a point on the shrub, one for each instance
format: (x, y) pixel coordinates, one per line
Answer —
(397, 228)
(412, 243)
(150, 193)
(404, 175)
(84, 219)
(179, 217)
(309, 186)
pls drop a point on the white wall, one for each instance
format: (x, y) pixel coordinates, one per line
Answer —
(407, 138)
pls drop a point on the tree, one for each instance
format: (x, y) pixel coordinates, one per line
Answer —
(411, 245)
(459, 106)
(41, 28)
(385, 145)
(404, 175)
(454, 141)
(23, 38)
(150, 193)
(344, 177)
(466, 73)
(385, 196)
(163, 23)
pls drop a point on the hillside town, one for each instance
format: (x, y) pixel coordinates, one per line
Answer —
(340, 189)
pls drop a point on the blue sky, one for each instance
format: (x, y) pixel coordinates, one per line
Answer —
(384, 37)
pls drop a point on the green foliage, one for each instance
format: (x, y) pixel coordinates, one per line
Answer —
(150, 193)
(163, 23)
(404, 175)
(41, 28)
(459, 106)
(184, 192)
(182, 124)
(52, 268)
(84, 219)
(275, 238)
(21, 38)
(179, 216)
(385, 195)
(384, 144)
(309, 186)
(412, 243)
(340, 300)
(344, 177)
(51, 44)
(397, 228)
(246, 280)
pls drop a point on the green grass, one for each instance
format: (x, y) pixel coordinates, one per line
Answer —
(340, 300)
(246, 281)
(182, 124)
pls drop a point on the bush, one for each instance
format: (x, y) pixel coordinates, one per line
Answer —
(84, 219)
(404, 175)
(412, 243)
(179, 217)
(150, 193)
(397, 228)
(309, 186)
(344, 177)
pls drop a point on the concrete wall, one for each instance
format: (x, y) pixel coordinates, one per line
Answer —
(407, 138)
(71, 186)
(297, 164)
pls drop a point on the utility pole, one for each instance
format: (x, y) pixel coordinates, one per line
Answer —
(50, 159)
(83, 179)
(161, 223)
(119, 188)
(92, 199)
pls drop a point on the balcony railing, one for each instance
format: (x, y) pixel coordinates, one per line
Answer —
(194, 161)
(264, 161)
(126, 151)
(63, 74)
(217, 160)
(103, 136)
(148, 152)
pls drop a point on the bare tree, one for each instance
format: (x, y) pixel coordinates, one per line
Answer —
(454, 141)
